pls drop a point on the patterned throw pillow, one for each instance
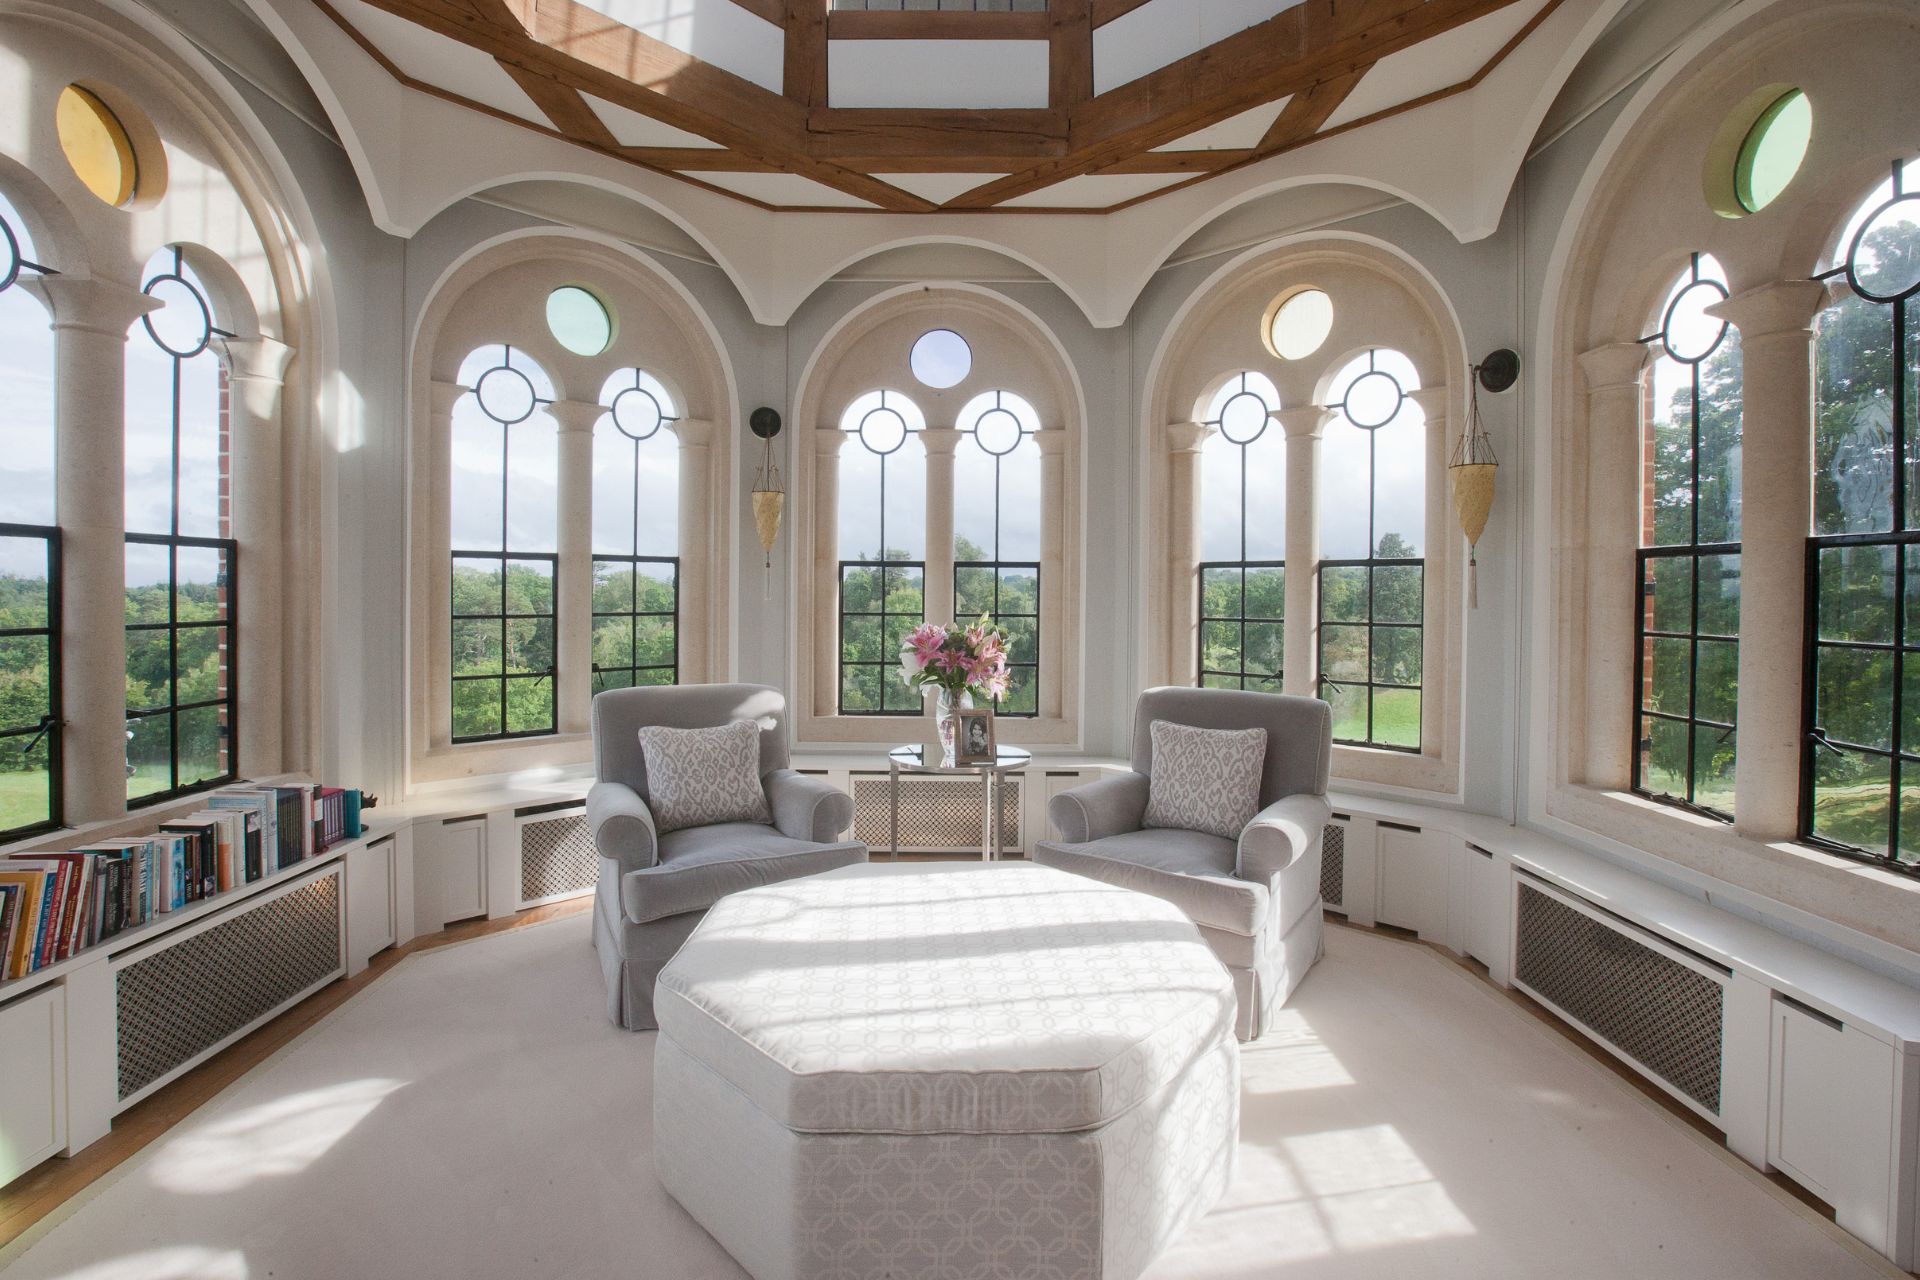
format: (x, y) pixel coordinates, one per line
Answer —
(699, 777)
(1205, 779)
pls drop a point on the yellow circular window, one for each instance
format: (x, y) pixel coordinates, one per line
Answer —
(97, 146)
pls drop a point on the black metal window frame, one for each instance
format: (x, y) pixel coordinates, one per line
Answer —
(887, 568)
(505, 617)
(174, 628)
(1372, 563)
(1903, 757)
(174, 541)
(48, 728)
(633, 616)
(50, 724)
(652, 415)
(1242, 675)
(506, 557)
(1269, 681)
(996, 565)
(1646, 558)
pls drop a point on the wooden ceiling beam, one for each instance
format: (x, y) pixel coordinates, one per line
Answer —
(563, 105)
(1069, 53)
(805, 72)
(1305, 113)
(1105, 11)
(1287, 54)
(935, 24)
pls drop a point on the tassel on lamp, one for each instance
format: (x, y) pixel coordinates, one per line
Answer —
(1472, 467)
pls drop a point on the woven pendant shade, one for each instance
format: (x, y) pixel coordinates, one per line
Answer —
(768, 504)
(1471, 471)
(769, 491)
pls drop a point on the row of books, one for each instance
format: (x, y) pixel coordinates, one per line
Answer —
(53, 905)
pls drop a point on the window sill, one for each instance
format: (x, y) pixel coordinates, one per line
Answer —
(448, 762)
(1795, 878)
(891, 731)
(1403, 770)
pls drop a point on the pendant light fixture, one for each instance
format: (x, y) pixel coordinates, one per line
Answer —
(1472, 467)
(769, 490)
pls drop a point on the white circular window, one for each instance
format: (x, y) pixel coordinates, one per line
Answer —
(506, 395)
(1300, 324)
(579, 321)
(941, 359)
(184, 323)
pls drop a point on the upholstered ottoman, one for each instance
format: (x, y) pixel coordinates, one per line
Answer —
(923, 1071)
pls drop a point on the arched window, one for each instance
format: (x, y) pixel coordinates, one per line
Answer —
(1243, 538)
(1860, 767)
(1373, 519)
(636, 535)
(882, 550)
(181, 555)
(1687, 618)
(504, 507)
(29, 547)
(996, 534)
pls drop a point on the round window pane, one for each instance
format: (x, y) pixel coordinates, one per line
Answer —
(637, 414)
(883, 430)
(998, 432)
(941, 358)
(96, 145)
(1243, 417)
(1301, 324)
(506, 395)
(1772, 151)
(1883, 262)
(10, 255)
(579, 321)
(1689, 333)
(183, 325)
(1373, 400)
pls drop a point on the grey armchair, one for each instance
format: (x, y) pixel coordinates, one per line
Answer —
(1256, 900)
(654, 888)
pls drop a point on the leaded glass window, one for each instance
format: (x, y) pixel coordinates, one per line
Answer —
(182, 635)
(1373, 514)
(503, 503)
(1687, 618)
(29, 547)
(1243, 538)
(636, 535)
(996, 541)
(1860, 765)
(882, 543)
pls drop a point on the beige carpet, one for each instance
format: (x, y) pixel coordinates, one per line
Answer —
(473, 1115)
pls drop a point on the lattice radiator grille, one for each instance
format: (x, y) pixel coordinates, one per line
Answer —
(179, 1002)
(1661, 1013)
(556, 858)
(937, 815)
(1333, 865)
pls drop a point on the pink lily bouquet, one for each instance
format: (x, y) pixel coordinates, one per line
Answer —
(957, 661)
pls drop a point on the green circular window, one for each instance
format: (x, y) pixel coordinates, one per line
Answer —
(579, 321)
(1772, 151)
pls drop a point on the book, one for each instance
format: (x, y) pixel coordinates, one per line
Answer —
(9, 920)
(36, 899)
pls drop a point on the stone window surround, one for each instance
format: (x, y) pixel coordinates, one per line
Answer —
(815, 499)
(700, 385)
(1240, 295)
(1623, 244)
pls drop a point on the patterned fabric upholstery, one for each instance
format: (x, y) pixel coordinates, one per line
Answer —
(701, 777)
(1205, 780)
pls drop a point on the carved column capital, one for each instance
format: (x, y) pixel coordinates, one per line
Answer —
(1783, 306)
(1617, 364)
(1186, 437)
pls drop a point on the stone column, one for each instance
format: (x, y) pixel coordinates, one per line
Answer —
(256, 374)
(1776, 514)
(90, 323)
(1305, 428)
(1054, 584)
(573, 623)
(1183, 441)
(824, 590)
(438, 565)
(940, 444)
(698, 659)
(1615, 391)
(1441, 537)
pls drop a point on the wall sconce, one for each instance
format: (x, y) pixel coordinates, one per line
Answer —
(769, 492)
(1472, 467)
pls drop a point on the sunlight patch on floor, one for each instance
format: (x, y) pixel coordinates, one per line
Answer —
(273, 1140)
(178, 1263)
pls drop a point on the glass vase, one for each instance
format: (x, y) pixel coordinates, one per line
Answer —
(943, 710)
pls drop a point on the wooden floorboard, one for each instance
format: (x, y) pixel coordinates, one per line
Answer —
(40, 1191)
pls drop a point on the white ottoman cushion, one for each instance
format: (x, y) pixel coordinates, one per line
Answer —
(917, 1070)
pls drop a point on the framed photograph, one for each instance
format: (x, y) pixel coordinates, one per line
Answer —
(973, 736)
